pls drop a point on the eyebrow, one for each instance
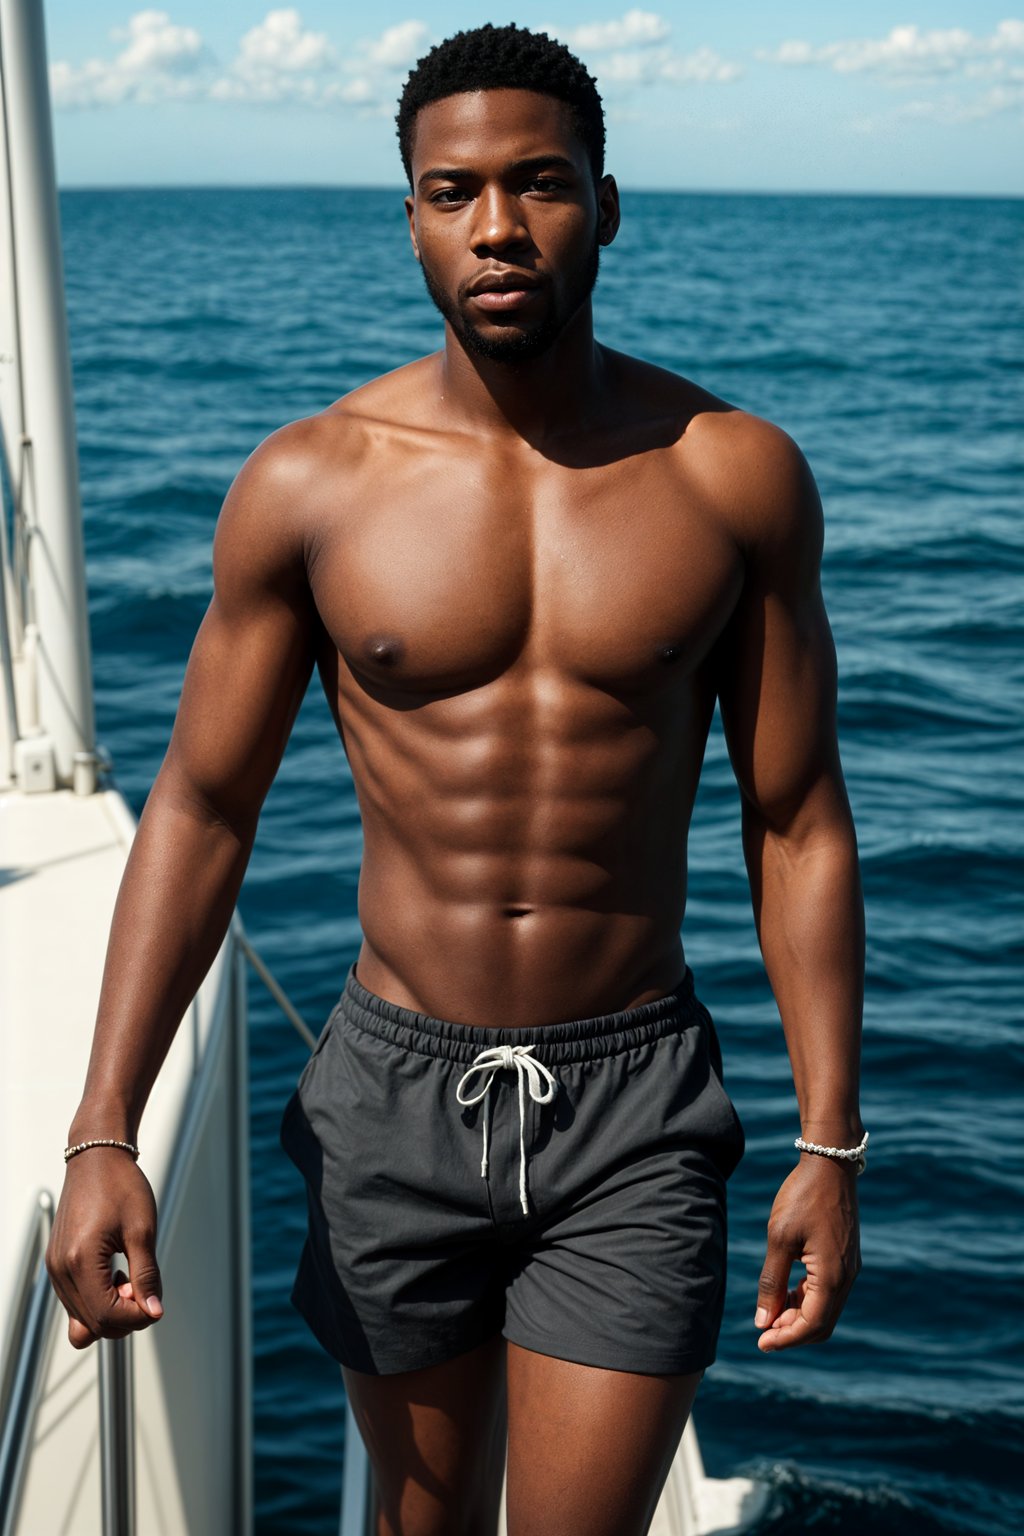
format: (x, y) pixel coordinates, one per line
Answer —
(534, 163)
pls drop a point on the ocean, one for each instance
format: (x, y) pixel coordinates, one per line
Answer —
(885, 335)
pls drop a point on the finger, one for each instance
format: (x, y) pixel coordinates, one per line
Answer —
(146, 1284)
(68, 1279)
(105, 1299)
(79, 1336)
(794, 1302)
(123, 1284)
(774, 1280)
(812, 1324)
(786, 1335)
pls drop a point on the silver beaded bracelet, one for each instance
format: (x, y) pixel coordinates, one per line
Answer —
(83, 1146)
(857, 1155)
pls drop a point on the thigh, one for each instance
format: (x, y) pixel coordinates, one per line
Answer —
(436, 1440)
(588, 1449)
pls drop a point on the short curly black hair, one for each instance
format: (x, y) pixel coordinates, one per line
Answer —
(488, 58)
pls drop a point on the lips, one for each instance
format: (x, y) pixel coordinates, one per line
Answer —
(504, 298)
(503, 282)
(504, 290)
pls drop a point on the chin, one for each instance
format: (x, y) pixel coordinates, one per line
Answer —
(508, 344)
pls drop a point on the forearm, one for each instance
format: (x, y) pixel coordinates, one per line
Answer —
(173, 909)
(809, 911)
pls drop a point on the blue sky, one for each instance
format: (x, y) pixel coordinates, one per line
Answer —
(913, 98)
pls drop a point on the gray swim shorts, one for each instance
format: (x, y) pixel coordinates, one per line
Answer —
(564, 1185)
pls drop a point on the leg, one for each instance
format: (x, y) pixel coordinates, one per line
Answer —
(589, 1450)
(436, 1440)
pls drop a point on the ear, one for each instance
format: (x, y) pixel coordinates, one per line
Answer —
(410, 211)
(608, 212)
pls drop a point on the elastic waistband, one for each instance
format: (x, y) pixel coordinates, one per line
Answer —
(568, 1040)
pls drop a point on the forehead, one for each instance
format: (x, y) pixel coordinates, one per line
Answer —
(477, 127)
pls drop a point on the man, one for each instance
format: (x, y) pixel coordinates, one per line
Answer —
(526, 567)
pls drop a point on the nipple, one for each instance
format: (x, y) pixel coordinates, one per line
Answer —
(385, 650)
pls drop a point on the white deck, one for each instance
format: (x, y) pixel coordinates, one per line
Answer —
(61, 860)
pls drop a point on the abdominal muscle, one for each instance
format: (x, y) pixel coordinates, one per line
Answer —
(523, 875)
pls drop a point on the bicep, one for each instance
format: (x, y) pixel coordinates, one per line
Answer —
(252, 657)
(776, 661)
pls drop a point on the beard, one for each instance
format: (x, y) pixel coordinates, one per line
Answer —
(515, 345)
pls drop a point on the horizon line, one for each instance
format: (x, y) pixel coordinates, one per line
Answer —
(403, 191)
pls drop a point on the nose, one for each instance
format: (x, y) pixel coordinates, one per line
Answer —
(499, 222)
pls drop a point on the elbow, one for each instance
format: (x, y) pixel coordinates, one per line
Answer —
(176, 793)
(806, 820)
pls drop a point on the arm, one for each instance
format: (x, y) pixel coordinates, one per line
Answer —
(776, 674)
(247, 674)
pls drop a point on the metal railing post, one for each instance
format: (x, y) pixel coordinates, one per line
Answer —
(35, 1302)
(117, 1436)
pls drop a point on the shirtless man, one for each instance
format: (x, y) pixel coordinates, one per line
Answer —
(525, 567)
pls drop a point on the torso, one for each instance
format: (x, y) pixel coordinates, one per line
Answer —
(516, 652)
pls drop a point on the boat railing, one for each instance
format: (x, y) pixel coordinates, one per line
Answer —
(10, 701)
(117, 1437)
(29, 1336)
(31, 1332)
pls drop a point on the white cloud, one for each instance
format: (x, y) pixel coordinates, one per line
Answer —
(910, 57)
(638, 53)
(645, 66)
(950, 110)
(624, 69)
(399, 46)
(633, 30)
(788, 53)
(279, 43)
(377, 65)
(908, 53)
(155, 43)
(946, 111)
(704, 65)
(357, 90)
(277, 61)
(160, 62)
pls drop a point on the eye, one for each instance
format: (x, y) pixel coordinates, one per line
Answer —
(545, 184)
(448, 195)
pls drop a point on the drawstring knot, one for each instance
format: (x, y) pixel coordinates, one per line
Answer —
(530, 1073)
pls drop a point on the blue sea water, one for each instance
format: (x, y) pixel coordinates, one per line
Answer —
(884, 334)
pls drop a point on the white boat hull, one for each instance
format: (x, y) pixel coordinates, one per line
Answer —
(62, 857)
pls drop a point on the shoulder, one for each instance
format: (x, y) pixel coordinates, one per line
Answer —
(292, 488)
(284, 470)
(294, 476)
(749, 473)
(266, 521)
(758, 480)
(733, 454)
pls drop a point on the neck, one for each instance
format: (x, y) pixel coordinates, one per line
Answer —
(536, 400)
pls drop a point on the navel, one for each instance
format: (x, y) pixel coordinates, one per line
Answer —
(669, 653)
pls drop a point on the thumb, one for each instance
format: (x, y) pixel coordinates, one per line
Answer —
(144, 1273)
(773, 1285)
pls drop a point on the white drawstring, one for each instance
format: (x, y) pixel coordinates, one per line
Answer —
(489, 1062)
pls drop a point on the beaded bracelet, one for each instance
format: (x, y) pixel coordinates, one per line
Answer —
(857, 1155)
(83, 1146)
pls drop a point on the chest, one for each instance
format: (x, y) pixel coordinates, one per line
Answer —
(446, 581)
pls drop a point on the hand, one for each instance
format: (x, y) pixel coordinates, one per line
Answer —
(813, 1220)
(106, 1207)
